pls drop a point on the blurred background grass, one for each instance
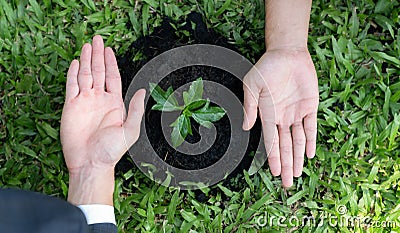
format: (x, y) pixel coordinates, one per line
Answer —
(356, 49)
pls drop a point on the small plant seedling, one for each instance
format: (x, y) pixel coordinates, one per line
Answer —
(195, 107)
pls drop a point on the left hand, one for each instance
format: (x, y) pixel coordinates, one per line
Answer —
(94, 130)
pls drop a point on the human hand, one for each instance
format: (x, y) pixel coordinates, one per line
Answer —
(287, 83)
(94, 130)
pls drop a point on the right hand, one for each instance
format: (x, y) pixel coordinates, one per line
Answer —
(288, 84)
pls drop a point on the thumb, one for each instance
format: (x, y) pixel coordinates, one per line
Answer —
(251, 95)
(250, 107)
(135, 114)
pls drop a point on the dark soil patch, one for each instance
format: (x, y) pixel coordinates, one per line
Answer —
(162, 39)
(153, 120)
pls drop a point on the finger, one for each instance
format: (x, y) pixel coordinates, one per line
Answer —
(85, 80)
(274, 159)
(134, 118)
(113, 78)
(310, 129)
(299, 143)
(98, 68)
(72, 87)
(271, 136)
(286, 150)
(251, 95)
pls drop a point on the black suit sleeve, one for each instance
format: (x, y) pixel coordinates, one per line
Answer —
(24, 211)
(103, 228)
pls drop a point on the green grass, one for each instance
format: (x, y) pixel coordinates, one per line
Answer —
(356, 49)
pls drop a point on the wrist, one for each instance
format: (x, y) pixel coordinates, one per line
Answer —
(280, 41)
(286, 48)
(285, 40)
(291, 53)
(286, 23)
(91, 186)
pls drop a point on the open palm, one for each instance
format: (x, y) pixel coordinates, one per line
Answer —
(94, 131)
(284, 81)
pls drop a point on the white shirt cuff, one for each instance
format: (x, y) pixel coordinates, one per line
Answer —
(97, 213)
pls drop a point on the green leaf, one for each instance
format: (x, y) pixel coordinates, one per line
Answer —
(134, 21)
(195, 105)
(291, 200)
(386, 105)
(141, 212)
(9, 12)
(195, 92)
(166, 100)
(354, 24)
(27, 150)
(256, 206)
(382, 6)
(221, 10)
(152, 3)
(384, 56)
(145, 18)
(36, 9)
(176, 137)
(172, 206)
(181, 128)
(89, 4)
(50, 131)
(226, 191)
(394, 131)
(205, 115)
(188, 216)
(338, 52)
